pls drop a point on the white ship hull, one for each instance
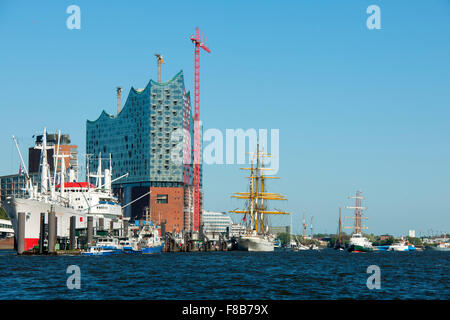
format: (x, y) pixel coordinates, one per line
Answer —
(399, 248)
(33, 208)
(255, 243)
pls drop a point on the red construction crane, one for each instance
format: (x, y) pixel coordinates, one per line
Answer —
(198, 43)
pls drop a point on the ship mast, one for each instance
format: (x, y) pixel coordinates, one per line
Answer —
(45, 170)
(339, 226)
(257, 208)
(304, 226)
(358, 227)
(338, 240)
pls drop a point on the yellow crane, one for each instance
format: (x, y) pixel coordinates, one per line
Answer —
(160, 60)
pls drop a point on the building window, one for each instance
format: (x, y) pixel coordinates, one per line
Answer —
(162, 198)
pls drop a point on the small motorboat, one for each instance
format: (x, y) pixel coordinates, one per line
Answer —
(99, 251)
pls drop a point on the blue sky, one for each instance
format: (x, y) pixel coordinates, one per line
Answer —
(356, 108)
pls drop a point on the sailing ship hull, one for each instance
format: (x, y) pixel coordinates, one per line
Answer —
(255, 243)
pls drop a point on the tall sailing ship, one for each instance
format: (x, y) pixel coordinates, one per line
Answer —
(257, 236)
(358, 243)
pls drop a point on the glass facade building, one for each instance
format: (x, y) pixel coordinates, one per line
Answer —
(151, 139)
(148, 139)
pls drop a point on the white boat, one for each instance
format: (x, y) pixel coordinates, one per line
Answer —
(149, 240)
(109, 243)
(99, 251)
(66, 199)
(401, 246)
(443, 246)
(128, 245)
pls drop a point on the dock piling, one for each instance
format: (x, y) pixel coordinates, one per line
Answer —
(125, 228)
(42, 233)
(21, 232)
(90, 230)
(51, 232)
(72, 232)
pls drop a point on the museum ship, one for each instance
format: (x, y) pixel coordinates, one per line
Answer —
(66, 199)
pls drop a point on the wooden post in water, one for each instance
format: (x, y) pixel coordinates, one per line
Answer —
(72, 232)
(21, 232)
(51, 231)
(125, 228)
(42, 233)
(90, 230)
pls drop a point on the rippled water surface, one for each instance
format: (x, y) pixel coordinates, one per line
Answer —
(326, 274)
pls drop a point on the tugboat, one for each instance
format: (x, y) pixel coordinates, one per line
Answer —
(149, 240)
(358, 243)
(257, 236)
(145, 238)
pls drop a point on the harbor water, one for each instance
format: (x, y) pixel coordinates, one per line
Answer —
(280, 275)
